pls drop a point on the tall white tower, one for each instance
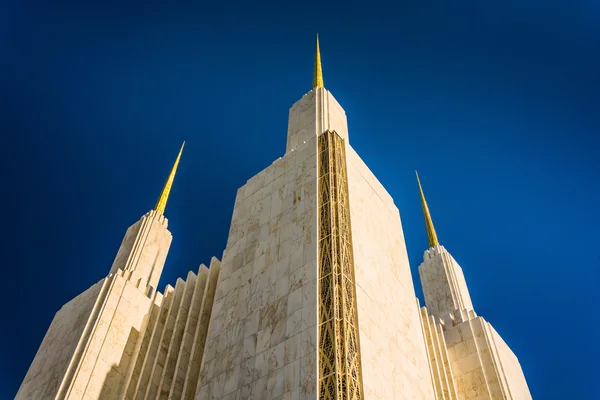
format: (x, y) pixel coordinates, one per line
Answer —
(468, 357)
(98, 342)
(315, 298)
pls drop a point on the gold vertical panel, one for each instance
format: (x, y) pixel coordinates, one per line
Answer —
(340, 375)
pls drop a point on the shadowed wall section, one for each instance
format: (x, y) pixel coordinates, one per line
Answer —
(171, 348)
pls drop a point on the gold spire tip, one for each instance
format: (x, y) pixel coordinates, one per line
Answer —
(431, 235)
(161, 204)
(318, 72)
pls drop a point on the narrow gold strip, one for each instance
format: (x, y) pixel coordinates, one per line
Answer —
(340, 375)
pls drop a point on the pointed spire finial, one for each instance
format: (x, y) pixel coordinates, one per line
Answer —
(318, 73)
(431, 235)
(161, 204)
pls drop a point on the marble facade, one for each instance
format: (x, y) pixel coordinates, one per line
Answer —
(444, 285)
(468, 358)
(392, 348)
(121, 339)
(313, 299)
(262, 338)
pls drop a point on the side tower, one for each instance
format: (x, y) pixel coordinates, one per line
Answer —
(87, 350)
(468, 358)
(315, 298)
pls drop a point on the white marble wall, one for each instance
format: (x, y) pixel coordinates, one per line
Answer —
(88, 347)
(444, 286)
(190, 384)
(109, 348)
(90, 343)
(169, 352)
(58, 347)
(316, 112)
(482, 365)
(394, 358)
(444, 385)
(144, 250)
(516, 384)
(141, 348)
(262, 338)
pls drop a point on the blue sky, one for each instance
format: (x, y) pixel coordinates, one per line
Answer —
(496, 103)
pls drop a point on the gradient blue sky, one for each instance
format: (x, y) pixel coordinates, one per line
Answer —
(496, 103)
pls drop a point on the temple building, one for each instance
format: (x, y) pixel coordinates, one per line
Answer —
(313, 298)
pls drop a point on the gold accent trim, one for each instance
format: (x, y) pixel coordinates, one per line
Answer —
(431, 235)
(318, 72)
(340, 374)
(161, 204)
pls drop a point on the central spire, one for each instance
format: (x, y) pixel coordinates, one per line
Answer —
(431, 235)
(318, 73)
(161, 204)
